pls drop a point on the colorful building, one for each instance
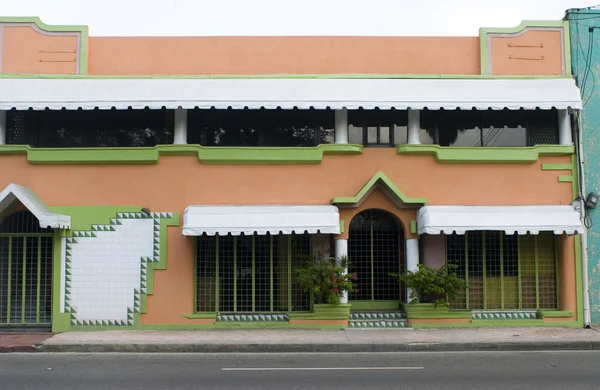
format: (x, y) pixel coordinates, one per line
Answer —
(585, 57)
(171, 183)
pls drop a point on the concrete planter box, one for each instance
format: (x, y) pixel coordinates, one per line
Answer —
(428, 310)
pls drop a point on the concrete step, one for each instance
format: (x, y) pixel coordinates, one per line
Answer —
(378, 324)
(377, 315)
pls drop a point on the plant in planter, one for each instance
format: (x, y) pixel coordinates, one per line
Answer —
(326, 278)
(437, 287)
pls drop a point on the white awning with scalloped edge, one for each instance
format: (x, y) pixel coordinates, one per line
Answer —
(236, 220)
(24, 195)
(335, 93)
(509, 219)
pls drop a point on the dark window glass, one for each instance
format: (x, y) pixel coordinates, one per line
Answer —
(489, 128)
(260, 127)
(90, 128)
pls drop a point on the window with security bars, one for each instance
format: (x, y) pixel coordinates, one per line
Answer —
(90, 128)
(505, 271)
(376, 249)
(25, 271)
(250, 273)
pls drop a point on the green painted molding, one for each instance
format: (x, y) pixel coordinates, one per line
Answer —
(487, 155)
(209, 155)
(375, 305)
(379, 177)
(557, 167)
(565, 179)
(218, 325)
(554, 314)
(495, 324)
(484, 32)
(413, 227)
(201, 316)
(342, 226)
(82, 30)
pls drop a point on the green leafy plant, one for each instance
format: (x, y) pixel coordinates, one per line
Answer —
(326, 278)
(432, 286)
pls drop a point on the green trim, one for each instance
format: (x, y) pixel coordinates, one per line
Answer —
(217, 277)
(60, 321)
(557, 167)
(467, 306)
(201, 316)
(284, 76)
(24, 281)
(342, 228)
(218, 325)
(484, 267)
(579, 281)
(374, 305)
(487, 155)
(9, 273)
(234, 275)
(270, 272)
(537, 271)
(413, 227)
(325, 312)
(82, 49)
(502, 288)
(39, 277)
(565, 178)
(554, 313)
(428, 310)
(519, 281)
(253, 273)
(496, 324)
(379, 177)
(209, 155)
(289, 275)
(485, 31)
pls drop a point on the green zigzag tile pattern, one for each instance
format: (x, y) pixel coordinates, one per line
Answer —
(131, 311)
(377, 320)
(253, 317)
(504, 315)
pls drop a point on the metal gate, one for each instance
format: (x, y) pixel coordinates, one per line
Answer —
(25, 273)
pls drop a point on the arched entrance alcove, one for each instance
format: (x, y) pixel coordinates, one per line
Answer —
(25, 272)
(376, 249)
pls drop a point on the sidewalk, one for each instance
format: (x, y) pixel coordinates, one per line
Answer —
(21, 342)
(303, 340)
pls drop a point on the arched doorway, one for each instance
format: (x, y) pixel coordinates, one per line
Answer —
(25, 272)
(376, 249)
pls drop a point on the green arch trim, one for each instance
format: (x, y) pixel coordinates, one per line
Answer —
(378, 178)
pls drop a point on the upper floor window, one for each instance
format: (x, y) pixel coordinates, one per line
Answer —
(260, 127)
(383, 128)
(489, 128)
(89, 128)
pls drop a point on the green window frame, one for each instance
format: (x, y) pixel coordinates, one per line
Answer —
(505, 272)
(250, 273)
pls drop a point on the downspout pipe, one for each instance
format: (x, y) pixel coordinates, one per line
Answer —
(582, 212)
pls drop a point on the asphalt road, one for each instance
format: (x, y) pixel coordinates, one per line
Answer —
(448, 370)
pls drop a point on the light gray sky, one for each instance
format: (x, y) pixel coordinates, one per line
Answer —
(288, 17)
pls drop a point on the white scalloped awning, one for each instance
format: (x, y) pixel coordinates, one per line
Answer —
(236, 220)
(509, 219)
(434, 94)
(34, 205)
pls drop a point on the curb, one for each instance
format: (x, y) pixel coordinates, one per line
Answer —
(19, 348)
(320, 348)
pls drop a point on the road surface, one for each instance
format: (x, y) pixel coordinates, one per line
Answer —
(432, 371)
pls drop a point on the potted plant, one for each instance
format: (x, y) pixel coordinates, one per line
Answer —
(431, 290)
(327, 279)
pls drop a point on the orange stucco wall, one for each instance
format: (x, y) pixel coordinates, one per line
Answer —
(283, 55)
(177, 182)
(25, 50)
(530, 52)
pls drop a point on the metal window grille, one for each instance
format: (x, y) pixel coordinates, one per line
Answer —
(25, 271)
(255, 273)
(376, 249)
(504, 271)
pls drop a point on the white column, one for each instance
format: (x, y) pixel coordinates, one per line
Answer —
(412, 259)
(341, 126)
(565, 136)
(180, 128)
(414, 127)
(2, 127)
(341, 250)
